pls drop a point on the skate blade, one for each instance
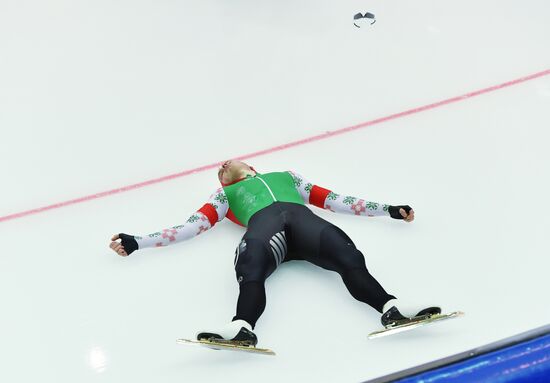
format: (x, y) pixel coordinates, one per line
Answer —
(226, 346)
(415, 324)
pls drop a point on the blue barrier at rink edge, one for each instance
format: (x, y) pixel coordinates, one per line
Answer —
(523, 358)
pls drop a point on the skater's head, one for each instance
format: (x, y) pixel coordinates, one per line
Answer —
(232, 171)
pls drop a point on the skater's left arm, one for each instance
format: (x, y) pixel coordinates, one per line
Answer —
(346, 204)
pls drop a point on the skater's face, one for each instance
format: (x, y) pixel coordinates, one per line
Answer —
(232, 170)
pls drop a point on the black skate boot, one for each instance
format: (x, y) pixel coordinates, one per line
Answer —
(237, 332)
(393, 317)
(430, 311)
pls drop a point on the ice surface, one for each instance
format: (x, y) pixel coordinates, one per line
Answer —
(98, 95)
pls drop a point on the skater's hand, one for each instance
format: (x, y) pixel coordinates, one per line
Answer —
(126, 246)
(404, 212)
(407, 217)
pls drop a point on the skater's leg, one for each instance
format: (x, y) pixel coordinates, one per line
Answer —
(253, 264)
(255, 261)
(251, 302)
(338, 253)
(262, 249)
(325, 245)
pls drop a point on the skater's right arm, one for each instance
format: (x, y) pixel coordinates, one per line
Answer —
(203, 219)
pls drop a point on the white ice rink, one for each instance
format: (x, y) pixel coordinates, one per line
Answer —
(96, 95)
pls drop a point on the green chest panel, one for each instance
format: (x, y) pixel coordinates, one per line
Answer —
(252, 194)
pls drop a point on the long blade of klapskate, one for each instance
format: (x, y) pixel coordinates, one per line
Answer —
(413, 325)
(226, 346)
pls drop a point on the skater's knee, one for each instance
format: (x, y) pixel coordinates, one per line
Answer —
(353, 260)
(339, 248)
(256, 288)
(245, 275)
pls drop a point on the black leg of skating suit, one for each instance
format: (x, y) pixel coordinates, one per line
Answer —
(285, 231)
(254, 262)
(338, 253)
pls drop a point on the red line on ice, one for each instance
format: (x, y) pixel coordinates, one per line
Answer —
(281, 147)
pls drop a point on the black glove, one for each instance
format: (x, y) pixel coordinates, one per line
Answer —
(129, 242)
(394, 211)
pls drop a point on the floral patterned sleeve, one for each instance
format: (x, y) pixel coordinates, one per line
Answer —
(337, 203)
(203, 219)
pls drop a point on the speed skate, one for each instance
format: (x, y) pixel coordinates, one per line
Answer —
(412, 323)
(220, 344)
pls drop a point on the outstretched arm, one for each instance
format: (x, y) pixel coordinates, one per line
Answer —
(203, 219)
(329, 200)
